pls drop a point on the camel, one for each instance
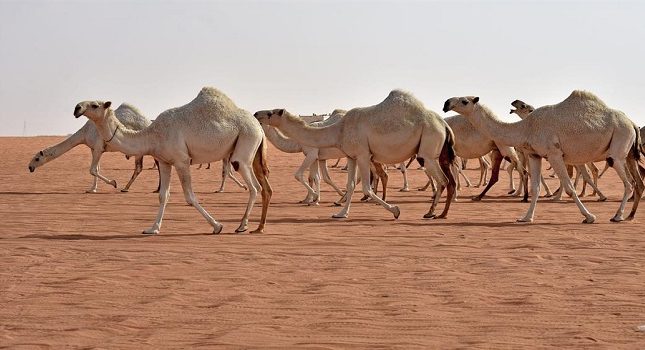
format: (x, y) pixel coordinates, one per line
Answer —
(389, 132)
(207, 129)
(578, 130)
(472, 143)
(87, 135)
(523, 110)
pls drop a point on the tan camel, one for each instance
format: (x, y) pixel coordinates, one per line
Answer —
(389, 132)
(87, 135)
(578, 130)
(207, 129)
(472, 143)
(523, 109)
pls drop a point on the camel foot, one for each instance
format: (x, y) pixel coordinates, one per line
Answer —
(602, 199)
(125, 190)
(617, 218)
(365, 199)
(524, 200)
(589, 220)
(217, 228)
(155, 191)
(511, 191)
(313, 204)
(219, 191)
(429, 215)
(151, 231)
(476, 198)
(240, 229)
(404, 189)
(339, 216)
(548, 195)
(336, 204)
(396, 212)
(421, 189)
(525, 219)
(258, 230)
(113, 183)
(91, 191)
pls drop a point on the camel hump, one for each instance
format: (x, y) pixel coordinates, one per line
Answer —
(582, 95)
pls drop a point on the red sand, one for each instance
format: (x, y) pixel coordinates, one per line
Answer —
(77, 272)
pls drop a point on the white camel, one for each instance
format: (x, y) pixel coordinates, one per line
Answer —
(207, 129)
(389, 132)
(578, 130)
(523, 110)
(87, 135)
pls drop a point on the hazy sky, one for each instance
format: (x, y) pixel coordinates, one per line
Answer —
(311, 56)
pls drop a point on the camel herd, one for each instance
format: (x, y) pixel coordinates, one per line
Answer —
(571, 135)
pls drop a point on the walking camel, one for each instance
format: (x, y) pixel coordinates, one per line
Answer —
(389, 132)
(522, 110)
(87, 135)
(578, 130)
(207, 129)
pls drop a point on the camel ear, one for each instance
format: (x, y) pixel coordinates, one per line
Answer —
(107, 104)
(280, 112)
(475, 100)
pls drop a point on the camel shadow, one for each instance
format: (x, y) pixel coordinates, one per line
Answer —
(80, 236)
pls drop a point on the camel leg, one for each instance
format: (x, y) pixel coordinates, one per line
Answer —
(586, 178)
(267, 192)
(603, 170)
(156, 165)
(253, 185)
(404, 172)
(336, 164)
(561, 170)
(351, 176)
(310, 158)
(468, 183)
(594, 173)
(634, 171)
(95, 183)
(322, 164)
(183, 172)
(535, 167)
(94, 168)
(494, 177)
(579, 170)
(364, 169)
(546, 187)
(165, 170)
(620, 167)
(225, 163)
(314, 179)
(509, 171)
(483, 170)
(433, 169)
(230, 174)
(381, 175)
(138, 167)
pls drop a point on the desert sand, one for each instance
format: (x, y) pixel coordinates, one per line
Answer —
(76, 272)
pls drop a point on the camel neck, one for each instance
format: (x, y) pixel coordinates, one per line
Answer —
(504, 134)
(122, 139)
(281, 142)
(328, 136)
(63, 147)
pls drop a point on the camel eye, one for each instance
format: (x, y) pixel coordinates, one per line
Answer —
(37, 159)
(95, 106)
(465, 103)
(523, 106)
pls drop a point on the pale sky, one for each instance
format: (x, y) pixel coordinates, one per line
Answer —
(312, 56)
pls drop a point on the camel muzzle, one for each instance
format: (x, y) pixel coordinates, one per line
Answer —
(446, 106)
(31, 169)
(511, 112)
(77, 111)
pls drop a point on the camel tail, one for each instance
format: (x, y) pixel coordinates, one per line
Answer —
(261, 170)
(448, 150)
(637, 148)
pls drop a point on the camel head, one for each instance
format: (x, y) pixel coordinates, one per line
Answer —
(271, 117)
(521, 109)
(93, 110)
(38, 160)
(461, 105)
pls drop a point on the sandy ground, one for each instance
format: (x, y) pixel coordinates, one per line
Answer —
(76, 272)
